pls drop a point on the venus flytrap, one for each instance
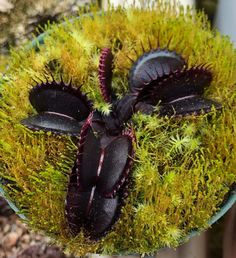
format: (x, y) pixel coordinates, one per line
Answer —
(169, 150)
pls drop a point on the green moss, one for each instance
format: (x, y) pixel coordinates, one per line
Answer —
(183, 166)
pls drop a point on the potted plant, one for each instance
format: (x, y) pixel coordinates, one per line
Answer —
(128, 116)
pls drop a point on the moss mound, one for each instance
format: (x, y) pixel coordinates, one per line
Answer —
(183, 167)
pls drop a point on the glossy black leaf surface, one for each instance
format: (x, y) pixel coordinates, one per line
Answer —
(61, 99)
(180, 84)
(76, 208)
(102, 214)
(152, 66)
(125, 107)
(90, 155)
(61, 108)
(115, 159)
(54, 122)
(187, 106)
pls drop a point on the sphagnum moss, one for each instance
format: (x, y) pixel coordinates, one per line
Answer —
(183, 166)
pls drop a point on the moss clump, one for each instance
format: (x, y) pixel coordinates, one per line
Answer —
(183, 167)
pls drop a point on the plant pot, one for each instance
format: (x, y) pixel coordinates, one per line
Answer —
(223, 209)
